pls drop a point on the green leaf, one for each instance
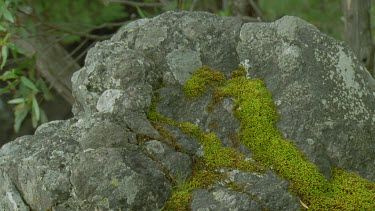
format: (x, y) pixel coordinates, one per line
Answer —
(20, 115)
(3, 7)
(156, 11)
(43, 116)
(46, 93)
(8, 88)
(4, 54)
(34, 121)
(6, 37)
(2, 28)
(17, 101)
(18, 71)
(14, 53)
(8, 16)
(36, 109)
(17, 49)
(140, 12)
(8, 75)
(144, 14)
(28, 83)
(5, 90)
(4, 25)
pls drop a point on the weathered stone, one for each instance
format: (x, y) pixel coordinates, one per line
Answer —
(267, 188)
(111, 155)
(39, 168)
(178, 164)
(121, 178)
(222, 199)
(189, 144)
(112, 134)
(325, 98)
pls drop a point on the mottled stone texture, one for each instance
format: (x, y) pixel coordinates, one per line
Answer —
(110, 157)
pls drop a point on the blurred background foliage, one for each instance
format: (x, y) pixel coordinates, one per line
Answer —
(327, 15)
(43, 42)
(82, 15)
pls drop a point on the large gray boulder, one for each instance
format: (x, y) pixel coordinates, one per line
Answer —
(111, 156)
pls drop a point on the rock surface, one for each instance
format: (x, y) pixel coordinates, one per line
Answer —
(110, 156)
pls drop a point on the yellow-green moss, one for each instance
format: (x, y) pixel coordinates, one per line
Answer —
(256, 111)
(154, 116)
(241, 72)
(215, 155)
(257, 114)
(179, 201)
(348, 191)
(203, 78)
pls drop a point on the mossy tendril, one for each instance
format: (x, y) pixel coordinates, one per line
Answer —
(256, 111)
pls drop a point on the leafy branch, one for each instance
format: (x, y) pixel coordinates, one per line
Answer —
(31, 53)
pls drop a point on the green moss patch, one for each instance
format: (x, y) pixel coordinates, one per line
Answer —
(202, 79)
(256, 111)
(258, 116)
(179, 201)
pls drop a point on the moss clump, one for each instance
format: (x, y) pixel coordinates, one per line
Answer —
(348, 192)
(217, 156)
(254, 108)
(241, 72)
(257, 114)
(203, 78)
(154, 116)
(179, 201)
(202, 177)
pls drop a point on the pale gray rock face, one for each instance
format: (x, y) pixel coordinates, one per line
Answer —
(325, 98)
(110, 156)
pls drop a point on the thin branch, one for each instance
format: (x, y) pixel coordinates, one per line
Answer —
(257, 10)
(85, 51)
(56, 41)
(81, 34)
(78, 33)
(137, 4)
(90, 26)
(79, 56)
(77, 48)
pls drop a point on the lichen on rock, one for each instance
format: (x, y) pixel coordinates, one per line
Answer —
(293, 125)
